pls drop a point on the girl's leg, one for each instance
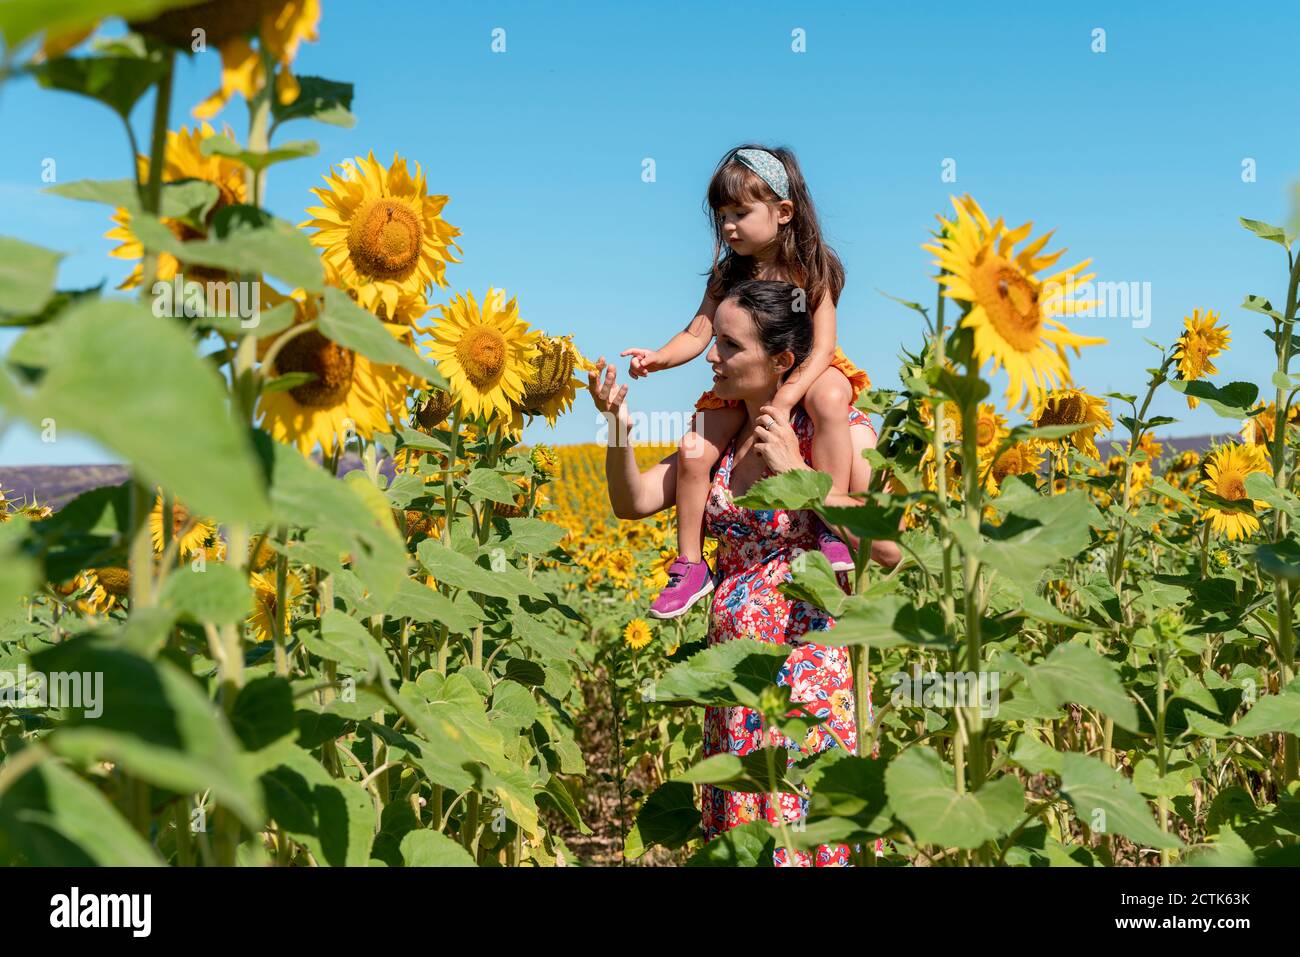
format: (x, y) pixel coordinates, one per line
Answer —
(827, 403)
(701, 447)
(887, 553)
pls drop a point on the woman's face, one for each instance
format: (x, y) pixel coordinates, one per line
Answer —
(741, 368)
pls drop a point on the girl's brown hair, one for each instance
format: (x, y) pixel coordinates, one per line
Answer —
(806, 259)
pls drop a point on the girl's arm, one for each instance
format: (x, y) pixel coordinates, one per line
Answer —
(800, 380)
(632, 493)
(681, 348)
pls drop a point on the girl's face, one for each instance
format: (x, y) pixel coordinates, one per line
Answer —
(751, 227)
(741, 368)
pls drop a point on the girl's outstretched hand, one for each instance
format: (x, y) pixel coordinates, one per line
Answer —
(644, 361)
(609, 398)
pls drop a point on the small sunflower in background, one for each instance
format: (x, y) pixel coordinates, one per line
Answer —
(1013, 311)
(262, 620)
(94, 598)
(1185, 461)
(1226, 469)
(100, 589)
(183, 159)
(1260, 427)
(382, 234)
(347, 394)
(1151, 447)
(1021, 459)
(196, 539)
(1201, 341)
(637, 634)
(990, 432)
(1073, 407)
(486, 354)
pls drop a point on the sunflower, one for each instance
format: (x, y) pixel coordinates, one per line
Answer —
(182, 159)
(1151, 447)
(1012, 309)
(1021, 459)
(100, 589)
(550, 390)
(434, 408)
(382, 233)
(411, 303)
(1073, 407)
(1260, 427)
(1200, 342)
(637, 634)
(621, 564)
(227, 24)
(1225, 475)
(93, 598)
(1184, 462)
(421, 523)
(195, 539)
(262, 620)
(485, 354)
(1139, 473)
(990, 431)
(349, 394)
(952, 432)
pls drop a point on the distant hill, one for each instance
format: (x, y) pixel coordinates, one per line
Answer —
(56, 485)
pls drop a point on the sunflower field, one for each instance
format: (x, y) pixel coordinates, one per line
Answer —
(240, 656)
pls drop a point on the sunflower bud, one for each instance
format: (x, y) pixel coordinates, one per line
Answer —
(545, 462)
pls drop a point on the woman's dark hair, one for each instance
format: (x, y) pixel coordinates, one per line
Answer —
(806, 259)
(780, 314)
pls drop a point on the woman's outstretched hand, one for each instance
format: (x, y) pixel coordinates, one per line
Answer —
(609, 398)
(776, 442)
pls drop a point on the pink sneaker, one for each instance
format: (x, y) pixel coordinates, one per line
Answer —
(836, 552)
(688, 582)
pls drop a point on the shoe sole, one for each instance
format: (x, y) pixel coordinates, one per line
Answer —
(669, 615)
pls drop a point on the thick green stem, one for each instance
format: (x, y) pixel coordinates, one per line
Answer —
(972, 582)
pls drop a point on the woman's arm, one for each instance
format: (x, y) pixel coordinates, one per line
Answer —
(818, 360)
(632, 493)
(681, 348)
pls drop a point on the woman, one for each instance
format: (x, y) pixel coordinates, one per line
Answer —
(759, 338)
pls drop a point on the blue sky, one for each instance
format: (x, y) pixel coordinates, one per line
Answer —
(1133, 155)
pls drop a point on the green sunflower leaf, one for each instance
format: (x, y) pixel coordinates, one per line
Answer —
(346, 323)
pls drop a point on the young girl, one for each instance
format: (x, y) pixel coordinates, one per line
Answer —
(764, 216)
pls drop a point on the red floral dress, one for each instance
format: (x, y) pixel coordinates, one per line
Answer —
(755, 548)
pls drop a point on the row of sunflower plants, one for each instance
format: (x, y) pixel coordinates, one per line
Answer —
(632, 743)
(238, 657)
(1075, 663)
